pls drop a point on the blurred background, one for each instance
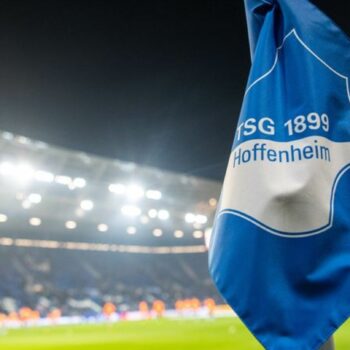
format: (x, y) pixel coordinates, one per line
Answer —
(116, 121)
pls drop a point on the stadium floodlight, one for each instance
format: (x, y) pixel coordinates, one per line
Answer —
(213, 202)
(144, 219)
(35, 221)
(44, 176)
(117, 188)
(79, 182)
(198, 234)
(87, 204)
(163, 214)
(131, 210)
(7, 168)
(26, 204)
(131, 230)
(178, 234)
(190, 218)
(7, 136)
(63, 180)
(23, 173)
(201, 219)
(23, 140)
(34, 198)
(157, 232)
(154, 194)
(102, 227)
(153, 213)
(134, 192)
(71, 225)
(3, 218)
(196, 219)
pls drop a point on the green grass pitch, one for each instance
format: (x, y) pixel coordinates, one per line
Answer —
(215, 334)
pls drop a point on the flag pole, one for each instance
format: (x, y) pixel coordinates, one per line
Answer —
(329, 345)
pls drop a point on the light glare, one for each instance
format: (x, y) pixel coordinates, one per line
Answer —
(134, 192)
(34, 198)
(7, 168)
(154, 194)
(157, 232)
(178, 234)
(153, 213)
(79, 182)
(190, 218)
(201, 219)
(71, 225)
(63, 180)
(35, 221)
(131, 230)
(163, 214)
(102, 227)
(44, 176)
(23, 172)
(87, 204)
(198, 234)
(116, 188)
(131, 210)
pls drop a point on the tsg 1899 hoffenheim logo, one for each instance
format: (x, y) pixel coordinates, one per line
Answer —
(284, 169)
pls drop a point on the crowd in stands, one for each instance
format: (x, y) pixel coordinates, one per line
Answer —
(52, 282)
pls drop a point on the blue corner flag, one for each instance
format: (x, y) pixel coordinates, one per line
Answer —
(280, 247)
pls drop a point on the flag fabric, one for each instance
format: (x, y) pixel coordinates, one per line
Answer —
(280, 248)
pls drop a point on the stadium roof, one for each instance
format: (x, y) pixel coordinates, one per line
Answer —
(50, 193)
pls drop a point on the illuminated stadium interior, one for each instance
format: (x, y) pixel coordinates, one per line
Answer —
(78, 231)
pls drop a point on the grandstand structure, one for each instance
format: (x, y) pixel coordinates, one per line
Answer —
(77, 231)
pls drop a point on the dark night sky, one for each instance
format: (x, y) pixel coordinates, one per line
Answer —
(158, 82)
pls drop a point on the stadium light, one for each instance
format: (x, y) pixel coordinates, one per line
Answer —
(71, 225)
(87, 204)
(157, 232)
(102, 227)
(196, 219)
(117, 188)
(154, 194)
(7, 136)
(131, 210)
(79, 182)
(198, 234)
(190, 218)
(163, 214)
(35, 221)
(178, 234)
(23, 173)
(153, 213)
(44, 176)
(63, 180)
(201, 219)
(131, 230)
(34, 198)
(134, 192)
(3, 218)
(26, 204)
(144, 219)
(6, 168)
(23, 140)
(213, 202)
